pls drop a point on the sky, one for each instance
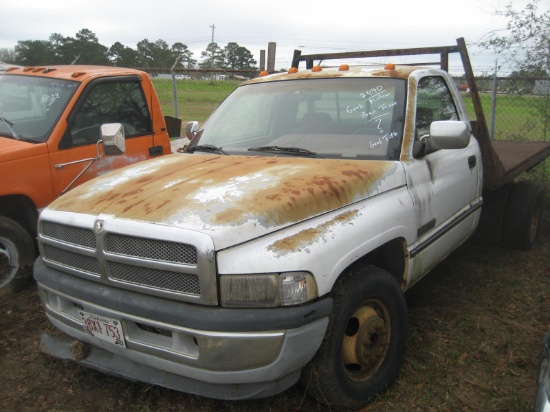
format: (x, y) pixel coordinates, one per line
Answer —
(311, 26)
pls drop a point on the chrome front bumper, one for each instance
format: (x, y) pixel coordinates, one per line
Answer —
(208, 351)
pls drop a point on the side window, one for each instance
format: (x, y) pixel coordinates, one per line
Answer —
(434, 102)
(110, 102)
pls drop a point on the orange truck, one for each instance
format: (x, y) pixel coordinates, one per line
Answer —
(50, 142)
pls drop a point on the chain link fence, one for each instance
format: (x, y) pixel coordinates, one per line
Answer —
(515, 108)
(194, 94)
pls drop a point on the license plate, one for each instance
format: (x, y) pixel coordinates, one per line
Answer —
(101, 327)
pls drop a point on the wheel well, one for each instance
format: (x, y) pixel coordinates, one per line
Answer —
(21, 209)
(390, 256)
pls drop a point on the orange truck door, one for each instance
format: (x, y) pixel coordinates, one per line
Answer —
(105, 100)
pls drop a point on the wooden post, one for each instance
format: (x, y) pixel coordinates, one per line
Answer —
(271, 49)
(262, 60)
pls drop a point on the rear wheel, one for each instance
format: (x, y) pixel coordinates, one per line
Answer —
(523, 215)
(493, 215)
(365, 340)
(16, 256)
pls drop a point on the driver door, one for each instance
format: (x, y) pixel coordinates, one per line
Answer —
(106, 100)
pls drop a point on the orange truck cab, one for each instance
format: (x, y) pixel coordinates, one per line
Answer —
(50, 142)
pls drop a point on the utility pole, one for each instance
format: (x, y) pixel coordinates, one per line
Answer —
(212, 27)
(212, 58)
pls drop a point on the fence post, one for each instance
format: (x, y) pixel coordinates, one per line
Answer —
(493, 104)
(174, 91)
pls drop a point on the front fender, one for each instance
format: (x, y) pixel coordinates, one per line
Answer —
(326, 245)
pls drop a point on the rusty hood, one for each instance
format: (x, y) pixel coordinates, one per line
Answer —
(231, 198)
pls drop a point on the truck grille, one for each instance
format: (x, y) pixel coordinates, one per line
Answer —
(151, 249)
(129, 260)
(162, 279)
(69, 234)
(72, 260)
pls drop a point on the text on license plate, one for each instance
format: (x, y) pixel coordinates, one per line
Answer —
(101, 327)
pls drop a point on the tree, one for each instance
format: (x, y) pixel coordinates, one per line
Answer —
(213, 57)
(526, 37)
(123, 56)
(238, 58)
(33, 52)
(155, 54)
(84, 49)
(88, 48)
(523, 81)
(182, 51)
(8, 56)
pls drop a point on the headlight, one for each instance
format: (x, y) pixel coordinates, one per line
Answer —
(267, 290)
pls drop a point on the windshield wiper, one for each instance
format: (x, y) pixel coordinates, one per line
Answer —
(294, 151)
(9, 126)
(210, 148)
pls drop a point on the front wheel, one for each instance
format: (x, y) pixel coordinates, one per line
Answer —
(365, 340)
(16, 256)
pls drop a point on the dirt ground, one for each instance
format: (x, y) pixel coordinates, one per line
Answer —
(476, 325)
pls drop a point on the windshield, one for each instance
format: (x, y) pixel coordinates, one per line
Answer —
(358, 118)
(31, 106)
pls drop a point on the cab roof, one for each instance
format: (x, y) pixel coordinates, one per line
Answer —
(319, 72)
(69, 72)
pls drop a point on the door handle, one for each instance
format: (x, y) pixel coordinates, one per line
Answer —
(472, 161)
(156, 151)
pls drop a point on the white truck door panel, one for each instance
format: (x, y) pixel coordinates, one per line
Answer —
(445, 185)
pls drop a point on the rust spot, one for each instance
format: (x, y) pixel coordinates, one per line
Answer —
(306, 237)
(111, 197)
(228, 190)
(408, 130)
(163, 204)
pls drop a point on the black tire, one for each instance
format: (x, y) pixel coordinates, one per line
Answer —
(543, 380)
(370, 312)
(523, 216)
(16, 256)
(493, 214)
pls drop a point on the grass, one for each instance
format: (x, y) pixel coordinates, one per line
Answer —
(196, 99)
(516, 117)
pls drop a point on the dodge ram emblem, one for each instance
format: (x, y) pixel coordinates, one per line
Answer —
(98, 227)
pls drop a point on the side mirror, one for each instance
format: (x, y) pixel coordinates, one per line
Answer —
(191, 129)
(449, 134)
(112, 136)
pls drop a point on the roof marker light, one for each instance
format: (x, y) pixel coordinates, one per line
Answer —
(316, 69)
(77, 74)
(264, 73)
(293, 70)
(389, 66)
(343, 67)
